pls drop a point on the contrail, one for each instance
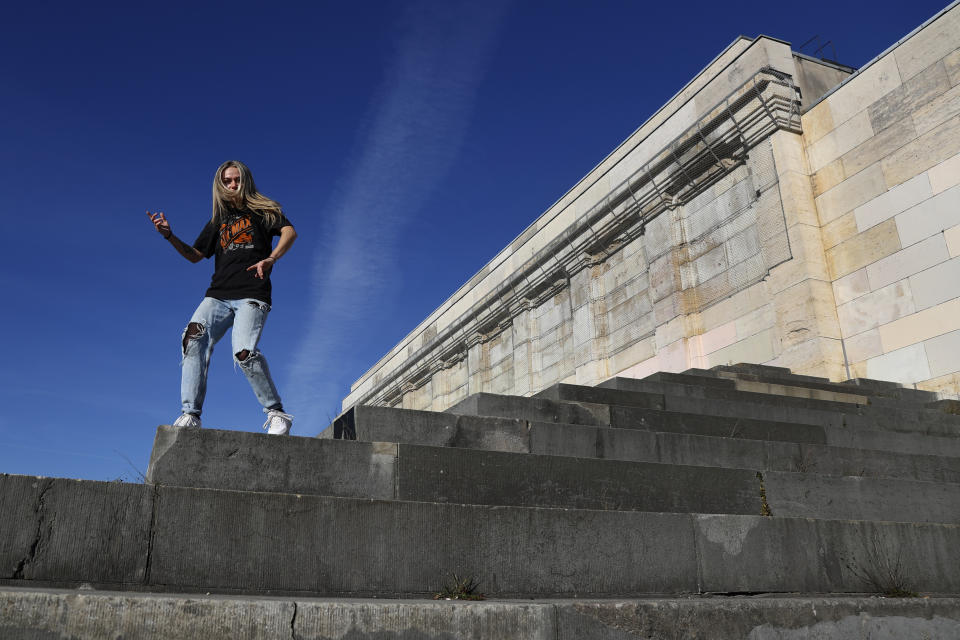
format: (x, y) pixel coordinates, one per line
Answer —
(415, 134)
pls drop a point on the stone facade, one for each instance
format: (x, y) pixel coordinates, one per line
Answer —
(777, 210)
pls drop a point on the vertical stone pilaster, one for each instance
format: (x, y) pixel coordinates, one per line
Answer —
(807, 331)
(590, 334)
(522, 352)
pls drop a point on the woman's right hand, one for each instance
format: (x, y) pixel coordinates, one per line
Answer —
(160, 222)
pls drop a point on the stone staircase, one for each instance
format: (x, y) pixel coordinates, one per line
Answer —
(741, 501)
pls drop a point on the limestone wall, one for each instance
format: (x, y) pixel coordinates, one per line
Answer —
(884, 156)
(729, 228)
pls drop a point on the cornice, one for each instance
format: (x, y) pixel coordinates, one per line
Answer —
(695, 160)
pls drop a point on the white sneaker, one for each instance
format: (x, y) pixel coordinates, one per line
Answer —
(187, 421)
(278, 423)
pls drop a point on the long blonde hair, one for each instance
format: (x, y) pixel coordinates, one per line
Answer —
(246, 197)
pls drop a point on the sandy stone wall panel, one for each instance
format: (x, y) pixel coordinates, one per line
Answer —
(945, 175)
(909, 96)
(926, 151)
(874, 82)
(839, 230)
(864, 249)
(929, 217)
(876, 308)
(937, 111)
(903, 263)
(943, 353)
(904, 365)
(895, 201)
(935, 41)
(828, 177)
(759, 347)
(851, 193)
(835, 144)
(851, 286)
(863, 346)
(920, 326)
(879, 146)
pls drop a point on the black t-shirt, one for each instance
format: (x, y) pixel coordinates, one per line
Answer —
(240, 239)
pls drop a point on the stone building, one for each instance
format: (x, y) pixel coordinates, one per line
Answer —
(779, 209)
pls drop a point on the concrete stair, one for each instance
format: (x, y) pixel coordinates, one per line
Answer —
(678, 497)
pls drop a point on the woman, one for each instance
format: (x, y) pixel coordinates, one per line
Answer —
(240, 234)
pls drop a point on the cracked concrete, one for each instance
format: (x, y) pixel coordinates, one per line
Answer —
(39, 512)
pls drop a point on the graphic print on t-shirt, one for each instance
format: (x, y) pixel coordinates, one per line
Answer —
(237, 234)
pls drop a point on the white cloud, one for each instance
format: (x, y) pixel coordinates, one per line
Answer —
(414, 135)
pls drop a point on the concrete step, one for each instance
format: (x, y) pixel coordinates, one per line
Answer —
(720, 418)
(796, 385)
(697, 450)
(711, 400)
(63, 533)
(736, 445)
(233, 460)
(633, 392)
(52, 614)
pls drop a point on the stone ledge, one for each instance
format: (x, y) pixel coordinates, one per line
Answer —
(93, 615)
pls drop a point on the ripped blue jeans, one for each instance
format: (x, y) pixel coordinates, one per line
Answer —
(209, 322)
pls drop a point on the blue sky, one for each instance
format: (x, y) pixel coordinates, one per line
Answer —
(407, 141)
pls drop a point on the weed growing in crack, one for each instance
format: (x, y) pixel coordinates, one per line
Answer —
(881, 568)
(460, 589)
(764, 506)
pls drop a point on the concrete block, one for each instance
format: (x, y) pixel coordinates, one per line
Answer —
(876, 308)
(943, 353)
(851, 286)
(244, 461)
(852, 192)
(901, 264)
(936, 285)
(903, 365)
(739, 550)
(838, 142)
(35, 613)
(930, 217)
(893, 202)
(921, 326)
(864, 249)
(532, 409)
(928, 150)
(878, 146)
(565, 393)
(74, 531)
(945, 175)
(468, 476)
(213, 540)
(860, 92)
(935, 41)
(909, 96)
(93, 615)
(812, 495)
(717, 425)
(762, 618)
